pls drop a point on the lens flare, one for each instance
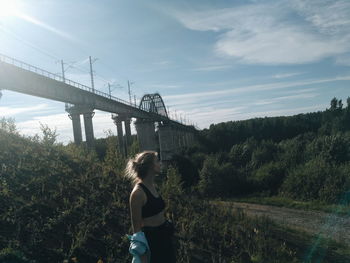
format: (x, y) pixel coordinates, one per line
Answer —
(8, 8)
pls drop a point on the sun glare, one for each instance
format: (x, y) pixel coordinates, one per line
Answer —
(8, 8)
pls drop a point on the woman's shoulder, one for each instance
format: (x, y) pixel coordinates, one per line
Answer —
(138, 191)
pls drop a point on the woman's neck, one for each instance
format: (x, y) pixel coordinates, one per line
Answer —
(148, 180)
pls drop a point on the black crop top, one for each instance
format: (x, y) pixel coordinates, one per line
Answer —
(154, 205)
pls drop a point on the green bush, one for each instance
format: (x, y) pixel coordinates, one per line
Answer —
(10, 255)
(317, 180)
(332, 148)
(264, 153)
(269, 177)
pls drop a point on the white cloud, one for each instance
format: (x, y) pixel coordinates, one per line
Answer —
(327, 16)
(162, 63)
(212, 68)
(343, 60)
(163, 86)
(12, 111)
(283, 98)
(266, 33)
(286, 75)
(208, 102)
(195, 96)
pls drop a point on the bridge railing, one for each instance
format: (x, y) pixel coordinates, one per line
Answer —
(53, 76)
(45, 73)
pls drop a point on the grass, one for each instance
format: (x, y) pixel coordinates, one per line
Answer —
(310, 248)
(290, 203)
(328, 249)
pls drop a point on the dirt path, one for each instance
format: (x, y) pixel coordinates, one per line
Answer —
(329, 225)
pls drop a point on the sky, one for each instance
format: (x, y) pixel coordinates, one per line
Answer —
(211, 61)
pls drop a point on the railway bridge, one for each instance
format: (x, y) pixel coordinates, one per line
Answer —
(81, 100)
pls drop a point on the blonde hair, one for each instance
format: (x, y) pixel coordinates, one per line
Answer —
(138, 167)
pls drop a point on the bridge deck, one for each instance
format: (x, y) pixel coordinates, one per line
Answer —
(21, 77)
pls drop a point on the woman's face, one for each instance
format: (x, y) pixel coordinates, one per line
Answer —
(156, 165)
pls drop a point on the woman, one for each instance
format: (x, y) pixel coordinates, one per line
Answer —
(147, 207)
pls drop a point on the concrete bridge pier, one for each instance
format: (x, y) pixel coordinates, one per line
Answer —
(182, 138)
(74, 114)
(118, 121)
(123, 141)
(188, 138)
(191, 135)
(127, 123)
(166, 141)
(89, 130)
(177, 144)
(75, 117)
(146, 134)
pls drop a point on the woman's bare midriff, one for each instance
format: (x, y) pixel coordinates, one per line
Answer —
(155, 220)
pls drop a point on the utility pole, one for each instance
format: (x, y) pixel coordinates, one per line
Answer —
(129, 91)
(92, 74)
(63, 76)
(109, 89)
(135, 100)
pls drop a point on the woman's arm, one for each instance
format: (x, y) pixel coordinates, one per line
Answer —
(136, 202)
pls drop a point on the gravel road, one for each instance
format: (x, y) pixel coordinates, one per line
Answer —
(330, 225)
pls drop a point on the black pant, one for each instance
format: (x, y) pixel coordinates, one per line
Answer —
(159, 239)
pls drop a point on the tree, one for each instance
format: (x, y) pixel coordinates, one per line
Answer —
(269, 177)
(8, 125)
(49, 135)
(340, 104)
(265, 153)
(209, 177)
(113, 161)
(334, 104)
(187, 169)
(172, 190)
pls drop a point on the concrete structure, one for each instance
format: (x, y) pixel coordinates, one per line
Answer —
(123, 141)
(127, 127)
(89, 130)
(146, 134)
(74, 114)
(75, 117)
(82, 100)
(166, 141)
